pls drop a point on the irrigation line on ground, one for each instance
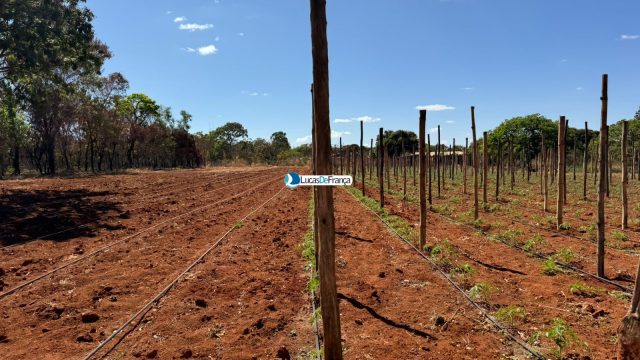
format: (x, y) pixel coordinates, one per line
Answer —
(164, 291)
(42, 237)
(54, 202)
(539, 255)
(464, 294)
(106, 247)
(316, 330)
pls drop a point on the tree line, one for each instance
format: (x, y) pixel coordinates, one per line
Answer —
(58, 112)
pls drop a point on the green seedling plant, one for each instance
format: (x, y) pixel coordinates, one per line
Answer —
(580, 289)
(619, 235)
(565, 255)
(563, 336)
(565, 226)
(238, 225)
(533, 242)
(550, 267)
(481, 291)
(620, 295)
(511, 314)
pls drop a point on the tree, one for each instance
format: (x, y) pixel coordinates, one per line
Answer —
(279, 142)
(224, 138)
(139, 111)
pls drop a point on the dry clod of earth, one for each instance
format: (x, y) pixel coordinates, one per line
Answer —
(89, 317)
(186, 354)
(201, 303)
(283, 354)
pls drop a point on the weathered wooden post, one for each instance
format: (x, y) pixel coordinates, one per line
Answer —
(404, 171)
(429, 167)
(413, 162)
(625, 176)
(362, 156)
(438, 161)
(464, 166)
(485, 166)
(314, 169)
(454, 160)
(381, 166)
(545, 177)
(423, 172)
(370, 159)
(561, 172)
(584, 161)
(498, 164)
(326, 224)
(602, 186)
(512, 167)
(475, 164)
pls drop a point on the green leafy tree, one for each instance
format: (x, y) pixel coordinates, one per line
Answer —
(279, 142)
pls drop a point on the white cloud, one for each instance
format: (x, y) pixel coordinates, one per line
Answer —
(217, 38)
(468, 88)
(188, 49)
(179, 19)
(449, 121)
(334, 135)
(207, 50)
(169, 12)
(254, 94)
(629, 37)
(365, 118)
(265, 94)
(433, 130)
(304, 139)
(337, 134)
(240, 34)
(435, 107)
(579, 88)
(193, 27)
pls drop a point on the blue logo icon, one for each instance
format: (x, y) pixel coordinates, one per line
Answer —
(292, 180)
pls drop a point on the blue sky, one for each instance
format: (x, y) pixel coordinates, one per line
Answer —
(250, 61)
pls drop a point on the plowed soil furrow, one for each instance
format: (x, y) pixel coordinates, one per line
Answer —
(594, 319)
(247, 300)
(393, 305)
(87, 218)
(113, 284)
(30, 260)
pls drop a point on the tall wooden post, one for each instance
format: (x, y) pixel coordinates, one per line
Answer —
(485, 168)
(499, 165)
(423, 172)
(326, 224)
(602, 186)
(464, 166)
(429, 167)
(381, 166)
(341, 156)
(545, 177)
(413, 162)
(625, 176)
(314, 170)
(475, 164)
(561, 172)
(371, 159)
(584, 161)
(438, 161)
(362, 155)
(403, 157)
(454, 160)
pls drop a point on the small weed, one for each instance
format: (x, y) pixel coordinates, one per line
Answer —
(510, 314)
(620, 295)
(619, 235)
(562, 335)
(455, 199)
(238, 225)
(565, 226)
(580, 289)
(550, 267)
(443, 253)
(565, 255)
(315, 316)
(534, 241)
(492, 208)
(589, 229)
(481, 291)
(443, 209)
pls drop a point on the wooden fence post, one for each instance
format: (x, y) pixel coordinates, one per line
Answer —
(423, 172)
(584, 161)
(362, 156)
(429, 167)
(381, 166)
(561, 173)
(475, 164)
(485, 167)
(326, 224)
(545, 177)
(625, 176)
(438, 161)
(602, 186)
(341, 167)
(499, 165)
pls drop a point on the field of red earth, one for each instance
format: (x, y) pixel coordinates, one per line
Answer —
(208, 264)
(516, 253)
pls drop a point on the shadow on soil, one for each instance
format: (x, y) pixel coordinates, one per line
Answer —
(27, 215)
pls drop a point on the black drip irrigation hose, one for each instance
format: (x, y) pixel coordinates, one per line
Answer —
(156, 299)
(491, 319)
(106, 247)
(316, 330)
